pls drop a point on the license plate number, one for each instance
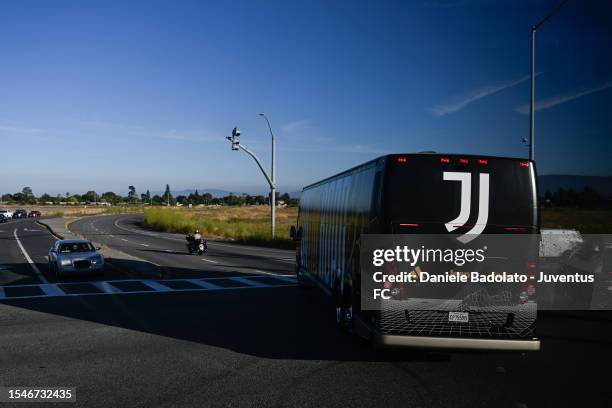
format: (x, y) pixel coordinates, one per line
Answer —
(458, 317)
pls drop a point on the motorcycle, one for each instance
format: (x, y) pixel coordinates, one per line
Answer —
(194, 245)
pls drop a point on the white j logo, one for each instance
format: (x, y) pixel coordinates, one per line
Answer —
(464, 212)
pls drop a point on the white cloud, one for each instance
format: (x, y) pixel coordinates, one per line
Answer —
(296, 126)
(461, 101)
(559, 99)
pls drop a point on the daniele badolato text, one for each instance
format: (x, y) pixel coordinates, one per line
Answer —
(411, 258)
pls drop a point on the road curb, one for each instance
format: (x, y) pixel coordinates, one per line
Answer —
(55, 234)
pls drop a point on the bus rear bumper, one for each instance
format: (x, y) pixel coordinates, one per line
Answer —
(455, 343)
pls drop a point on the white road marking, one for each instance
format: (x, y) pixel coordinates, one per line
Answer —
(266, 273)
(27, 257)
(248, 282)
(51, 289)
(111, 235)
(287, 278)
(144, 245)
(113, 287)
(123, 239)
(204, 284)
(105, 287)
(209, 260)
(157, 286)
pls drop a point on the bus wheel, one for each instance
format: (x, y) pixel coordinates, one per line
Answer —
(343, 310)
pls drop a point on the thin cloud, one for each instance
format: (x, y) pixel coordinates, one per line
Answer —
(461, 101)
(296, 126)
(559, 99)
(17, 129)
(118, 129)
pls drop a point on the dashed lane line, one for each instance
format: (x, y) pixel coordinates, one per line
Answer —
(27, 257)
(209, 260)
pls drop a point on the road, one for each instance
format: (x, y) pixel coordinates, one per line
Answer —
(245, 335)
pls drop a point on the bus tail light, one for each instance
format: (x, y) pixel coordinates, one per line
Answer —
(483, 161)
(444, 160)
(463, 161)
(402, 159)
(524, 164)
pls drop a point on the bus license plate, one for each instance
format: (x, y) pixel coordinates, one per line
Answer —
(458, 317)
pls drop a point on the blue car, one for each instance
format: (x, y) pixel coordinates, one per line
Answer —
(75, 257)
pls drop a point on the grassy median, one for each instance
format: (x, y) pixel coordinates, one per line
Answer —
(248, 225)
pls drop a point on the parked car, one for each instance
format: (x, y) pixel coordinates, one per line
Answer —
(34, 214)
(20, 213)
(3, 218)
(7, 213)
(75, 256)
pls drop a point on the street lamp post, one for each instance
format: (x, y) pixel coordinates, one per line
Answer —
(271, 180)
(535, 28)
(273, 184)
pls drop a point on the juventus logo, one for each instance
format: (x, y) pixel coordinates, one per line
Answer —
(466, 202)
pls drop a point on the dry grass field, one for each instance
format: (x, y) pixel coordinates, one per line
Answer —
(240, 224)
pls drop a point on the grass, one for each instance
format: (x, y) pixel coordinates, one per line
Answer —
(249, 225)
(584, 220)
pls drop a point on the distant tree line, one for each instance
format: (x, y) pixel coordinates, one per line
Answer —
(27, 197)
(587, 198)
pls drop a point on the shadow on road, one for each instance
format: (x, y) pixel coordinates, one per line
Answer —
(277, 323)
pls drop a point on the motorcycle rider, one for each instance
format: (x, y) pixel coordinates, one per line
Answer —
(194, 239)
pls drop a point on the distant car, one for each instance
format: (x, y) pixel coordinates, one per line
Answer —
(7, 213)
(20, 213)
(3, 218)
(74, 257)
(34, 214)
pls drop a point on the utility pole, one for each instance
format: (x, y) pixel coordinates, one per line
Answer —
(535, 28)
(271, 180)
(273, 184)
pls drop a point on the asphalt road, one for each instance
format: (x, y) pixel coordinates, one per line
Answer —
(255, 344)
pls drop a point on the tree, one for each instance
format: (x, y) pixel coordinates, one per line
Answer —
(157, 200)
(132, 195)
(27, 191)
(45, 198)
(90, 196)
(110, 197)
(168, 195)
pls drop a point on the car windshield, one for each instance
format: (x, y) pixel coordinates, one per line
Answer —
(76, 247)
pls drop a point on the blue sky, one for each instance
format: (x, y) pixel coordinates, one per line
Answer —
(101, 95)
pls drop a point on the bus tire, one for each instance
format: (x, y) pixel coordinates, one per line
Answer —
(343, 310)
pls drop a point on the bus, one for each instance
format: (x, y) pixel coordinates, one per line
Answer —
(412, 194)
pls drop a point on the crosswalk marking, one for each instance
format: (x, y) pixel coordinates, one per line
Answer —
(105, 287)
(204, 284)
(158, 286)
(51, 289)
(248, 281)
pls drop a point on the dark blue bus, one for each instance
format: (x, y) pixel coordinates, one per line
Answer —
(408, 194)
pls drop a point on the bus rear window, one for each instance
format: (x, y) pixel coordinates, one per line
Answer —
(418, 191)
